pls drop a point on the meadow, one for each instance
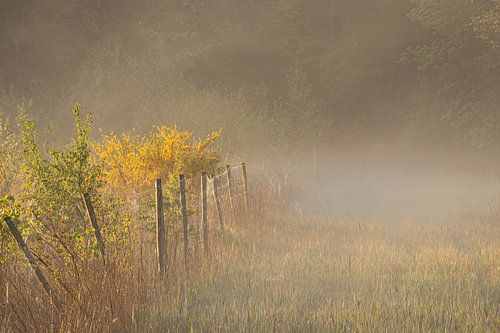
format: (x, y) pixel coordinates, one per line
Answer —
(255, 262)
(249, 166)
(321, 274)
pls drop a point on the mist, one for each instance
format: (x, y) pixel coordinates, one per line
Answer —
(281, 78)
(352, 115)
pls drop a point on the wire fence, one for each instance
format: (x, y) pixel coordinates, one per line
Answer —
(187, 229)
(208, 205)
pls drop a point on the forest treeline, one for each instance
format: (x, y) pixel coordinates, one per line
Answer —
(279, 75)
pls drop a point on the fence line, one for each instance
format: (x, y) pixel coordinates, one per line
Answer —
(219, 194)
(217, 198)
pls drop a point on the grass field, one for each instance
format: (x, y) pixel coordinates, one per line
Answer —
(277, 269)
(322, 274)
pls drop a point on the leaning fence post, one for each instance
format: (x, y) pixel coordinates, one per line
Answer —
(245, 185)
(182, 183)
(160, 229)
(230, 188)
(93, 220)
(34, 265)
(204, 211)
(217, 202)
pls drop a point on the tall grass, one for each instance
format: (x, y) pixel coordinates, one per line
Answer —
(323, 274)
(276, 271)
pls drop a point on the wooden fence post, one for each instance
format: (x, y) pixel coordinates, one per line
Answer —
(217, 202)
(34, 265)
(245, 185)
(161, 243)
(204, 211)
(230, 188)
(182, 183)
(93, 220)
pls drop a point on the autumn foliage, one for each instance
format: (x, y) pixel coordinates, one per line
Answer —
(134, 162)
(49, 210)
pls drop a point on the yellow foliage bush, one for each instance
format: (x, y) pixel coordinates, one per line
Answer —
(134, 162)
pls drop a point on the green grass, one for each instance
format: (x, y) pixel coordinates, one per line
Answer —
(322, 274)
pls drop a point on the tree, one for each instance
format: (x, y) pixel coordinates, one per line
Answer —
(463, 57)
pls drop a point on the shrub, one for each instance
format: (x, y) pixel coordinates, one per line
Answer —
(134, 162)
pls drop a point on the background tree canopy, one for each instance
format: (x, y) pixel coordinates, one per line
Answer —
(273, 74)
